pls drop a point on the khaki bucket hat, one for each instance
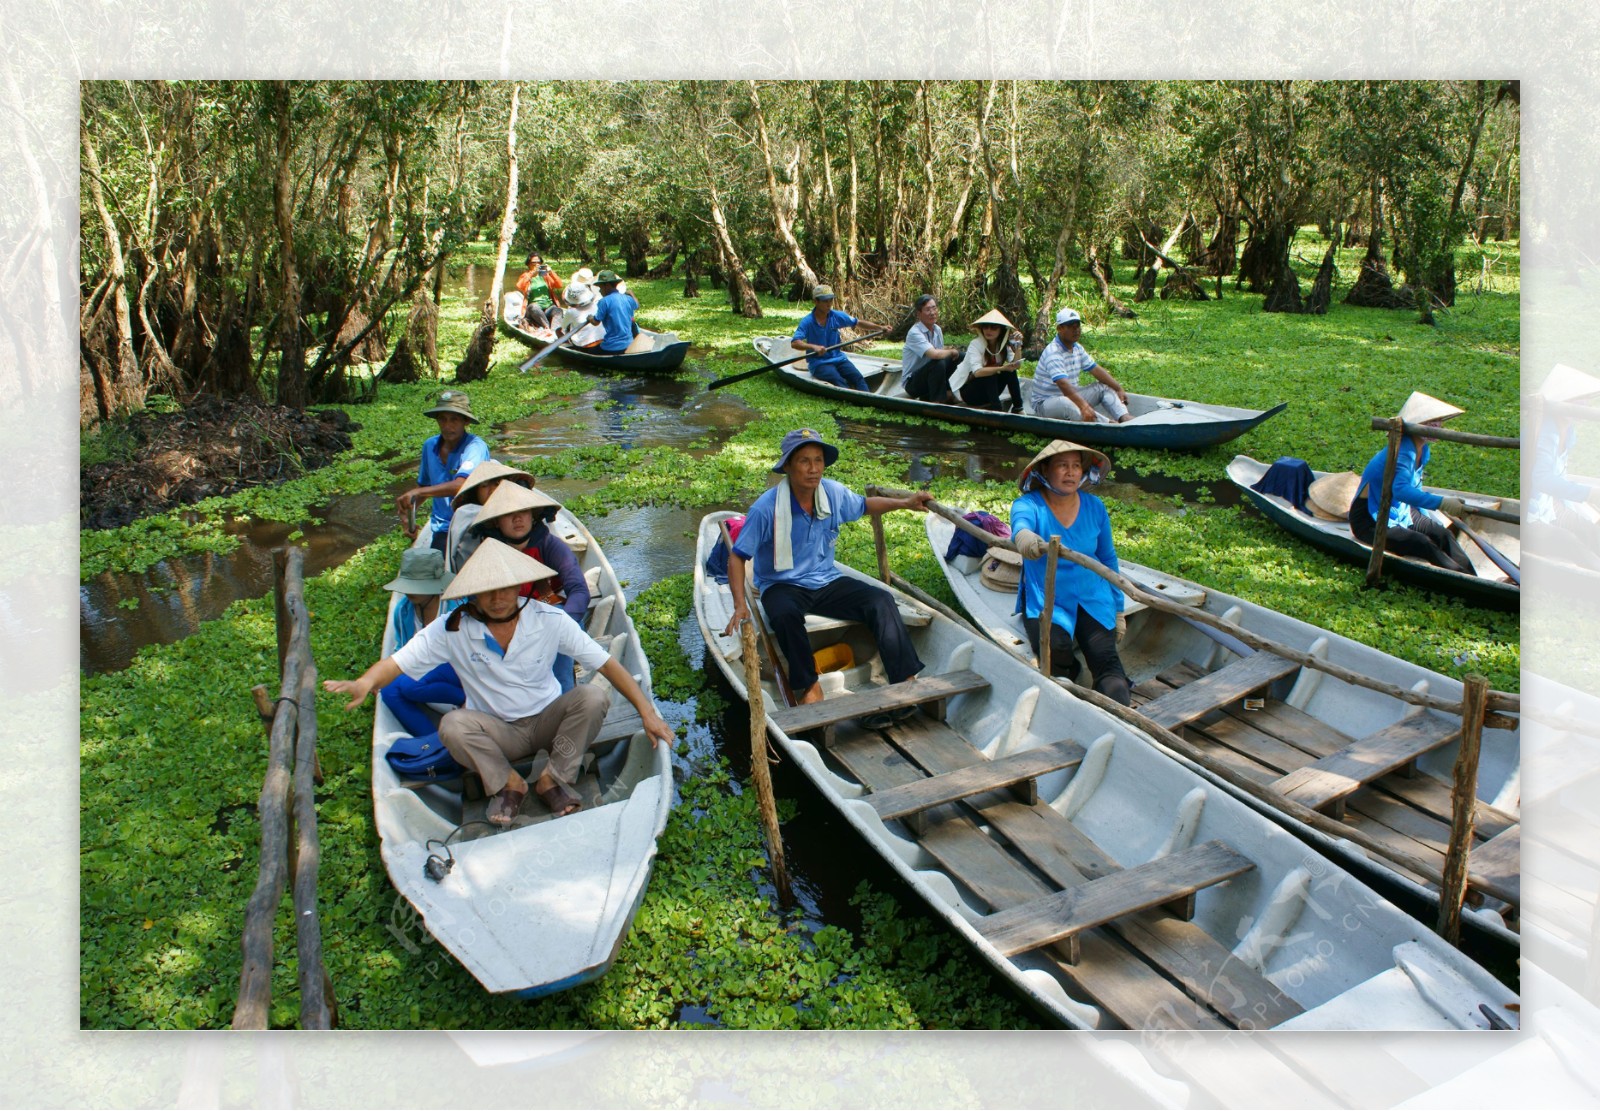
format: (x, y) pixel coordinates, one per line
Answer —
(488, 472)
(509, 497)
(1331, 496)
(1420, 408)
(1056, 447)
(453, 401)
(495, 565)
(994, 316)
(422, 571)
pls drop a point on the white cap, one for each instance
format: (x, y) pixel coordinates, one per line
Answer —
(1068, 316)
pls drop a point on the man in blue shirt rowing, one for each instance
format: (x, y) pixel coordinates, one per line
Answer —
(819, 330)
(447, 460)
(614, 313)
(789, 535)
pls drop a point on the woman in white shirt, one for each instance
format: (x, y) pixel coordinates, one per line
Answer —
(990, 364)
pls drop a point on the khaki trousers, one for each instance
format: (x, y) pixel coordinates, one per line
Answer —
(489, 746)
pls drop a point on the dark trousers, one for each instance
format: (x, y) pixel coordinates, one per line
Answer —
(1099, 645)
(1425, 539)
(931, 380)
(845, 598)
(984, 393)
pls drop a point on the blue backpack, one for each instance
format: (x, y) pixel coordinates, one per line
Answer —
(423, 757)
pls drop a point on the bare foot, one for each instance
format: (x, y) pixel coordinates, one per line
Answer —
(814, 694)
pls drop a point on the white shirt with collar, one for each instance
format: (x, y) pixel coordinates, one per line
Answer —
(516, 685)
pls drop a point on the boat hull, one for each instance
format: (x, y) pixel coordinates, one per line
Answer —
(667, 355)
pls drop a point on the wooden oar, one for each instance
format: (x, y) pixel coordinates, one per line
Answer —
(740, 377)
(545, 354)
(1489, 550)
(780, 673)
(1490, 514)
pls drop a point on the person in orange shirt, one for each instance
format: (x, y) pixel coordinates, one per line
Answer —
(539, 304)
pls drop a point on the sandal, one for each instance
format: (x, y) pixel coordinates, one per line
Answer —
(504, 807)
(560, 800)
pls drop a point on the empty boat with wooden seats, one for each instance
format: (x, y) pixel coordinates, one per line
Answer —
(541, 905)
(1289, 738)
(1112, 884)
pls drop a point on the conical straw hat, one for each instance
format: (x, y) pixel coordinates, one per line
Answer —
(1331, 496)
(1566, 383)
(1056, 447)
(488, 472)
(495, 565)
(994, 316)
(1420, 408)
(509, 497)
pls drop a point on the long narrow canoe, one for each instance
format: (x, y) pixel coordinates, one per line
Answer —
(1491, 586)
(664, 353)
(542, 905)
(1064, 847)
(1158, 422)
(1315, 739)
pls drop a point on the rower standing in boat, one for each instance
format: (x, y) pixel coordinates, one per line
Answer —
(521, 517)
(990, 364)
(818, 330)
(502, 647)
(789, 535)
(926, 363)
(421, 580)
(1411, 531)
(614, 313)
(447, 460)
(1088, 609)
(1057, 388)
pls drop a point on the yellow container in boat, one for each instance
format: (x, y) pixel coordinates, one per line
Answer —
(835, 657)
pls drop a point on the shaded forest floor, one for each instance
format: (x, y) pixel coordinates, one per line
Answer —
(212, 446)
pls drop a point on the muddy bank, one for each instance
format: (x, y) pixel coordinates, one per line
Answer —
(209, 447)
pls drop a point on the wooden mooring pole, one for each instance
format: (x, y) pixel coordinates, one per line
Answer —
(760, 772)
(1463, 796)
(1380, 528)
(1047, 616)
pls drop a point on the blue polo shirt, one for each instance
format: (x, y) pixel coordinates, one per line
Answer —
(615, 312)
(825, 335)
(811, 539)
(469, 452)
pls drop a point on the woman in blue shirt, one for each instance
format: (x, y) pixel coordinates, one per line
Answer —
(1088, 609)
(1411, 531)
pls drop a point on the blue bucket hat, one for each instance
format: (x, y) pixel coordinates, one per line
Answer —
(799, 438)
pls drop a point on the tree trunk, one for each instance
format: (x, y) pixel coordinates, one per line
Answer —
(780, 216)
(475, 364)
(418, 344)
(830, 196)
(1101, 271)
(508, 221)
(120, 388)
(1266, 254)
(291, 344)
(1321, 294)
(1373, 287)
(691, 274)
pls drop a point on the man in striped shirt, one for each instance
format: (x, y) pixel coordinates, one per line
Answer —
(1057, 391)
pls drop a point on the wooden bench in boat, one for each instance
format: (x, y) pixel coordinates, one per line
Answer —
(1495, 868)
(1332, 779)
(913, 692)
(1065, 913)
(1217, 689)
(1140, 990)
(1018, 772)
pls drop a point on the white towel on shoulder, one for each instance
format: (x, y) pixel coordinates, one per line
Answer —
(783, 524)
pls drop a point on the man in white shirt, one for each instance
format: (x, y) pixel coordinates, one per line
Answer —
(503, 647)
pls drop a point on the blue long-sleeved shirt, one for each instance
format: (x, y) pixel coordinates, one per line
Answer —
(1408, 491)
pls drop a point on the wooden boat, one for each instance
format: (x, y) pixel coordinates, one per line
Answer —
(650, 352)
(1158, 422)
(1111, 884)
(1490, 587)
(543, 905)
(1375, 762)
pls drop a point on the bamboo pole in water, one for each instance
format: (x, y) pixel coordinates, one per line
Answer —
(760, 772)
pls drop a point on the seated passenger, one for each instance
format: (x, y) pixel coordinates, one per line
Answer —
(990, 364)
(1058, 390)
(421, 580)
(1411, 531)
(574, 318)
(926, 363)
(469, 499)
(541, 290)
(789, 535)
(1088, 608)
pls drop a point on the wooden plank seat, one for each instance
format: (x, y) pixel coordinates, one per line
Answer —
(1065, 913)
(1205, 968)
(1495, 868)
(1340, 774)
(1217, 689)
(1018, 771)
(912, 692)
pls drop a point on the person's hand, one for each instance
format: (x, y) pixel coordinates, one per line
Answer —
(1122, 394)
(741, 614)
(404, 501)
(1085, 412)
(353, 687)
(919, 500)
(1030, 544)
(657, 729)
(1452, 505)
(1122, 626)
